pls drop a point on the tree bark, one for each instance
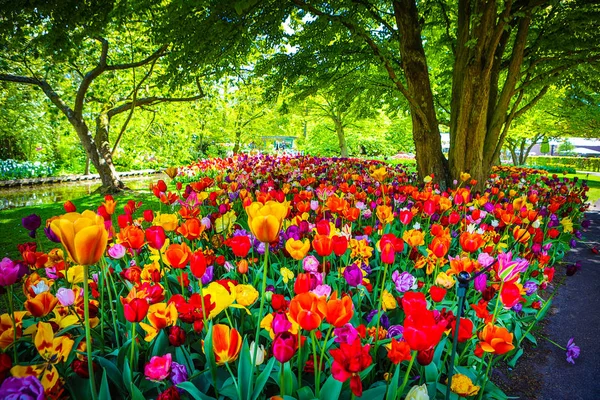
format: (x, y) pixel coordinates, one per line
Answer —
(426, 133)
(339, 130)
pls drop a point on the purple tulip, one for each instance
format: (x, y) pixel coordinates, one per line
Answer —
(27, 388)
(179, 374)
(31, 223)
(572, 351)
(353, 275)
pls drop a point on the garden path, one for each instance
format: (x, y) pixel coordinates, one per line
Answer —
(543, 373)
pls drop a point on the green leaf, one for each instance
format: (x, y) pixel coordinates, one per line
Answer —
(262, 379)
(431, 373)
(393, 387)
(289, 377)
(331, 389)
(305, 393)
(245, 371)
(113, 372)
(136, 393)
(375, 393)
(160, 344)
(516, 357)
(104, 390)
(194, 391)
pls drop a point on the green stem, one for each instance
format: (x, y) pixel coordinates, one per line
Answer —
(235, 383)
(14, 322)
(485, 380)
(317, 378)
(281, 381)
(299, 357)
(385, 268)
(204, 326)
(497, 303)
(318, 367)
(88, 333)
(262, 303)
(113, 314)
(132, 355)
(406, 374)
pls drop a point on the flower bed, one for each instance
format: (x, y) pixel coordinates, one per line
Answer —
(293, 277)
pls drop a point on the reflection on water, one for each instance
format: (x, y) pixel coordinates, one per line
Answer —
(60, 192)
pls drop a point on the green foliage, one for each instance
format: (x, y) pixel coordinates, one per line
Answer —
(11, 169)
(545, 147)
(579, 163)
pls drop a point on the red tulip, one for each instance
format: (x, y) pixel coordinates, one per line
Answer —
(405, 216)
(155, 235)
(414, 302)
(240, 245)
(421, 331)
(135, 309)
(302, 283)
(340, 245)
(348, 361)
(69, 206)
(510, 294)
(465, 329)
(198, 264)
(148, 215)
(437, 293)
(323, 245)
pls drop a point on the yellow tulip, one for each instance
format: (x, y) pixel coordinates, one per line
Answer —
(245, 294)
(83, 235)
(265, 221)
(297, 248)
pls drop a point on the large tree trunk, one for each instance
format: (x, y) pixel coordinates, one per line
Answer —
(339, 130)
(108, 175)
(426, 133)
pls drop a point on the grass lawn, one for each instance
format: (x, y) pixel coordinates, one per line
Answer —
(12, 233)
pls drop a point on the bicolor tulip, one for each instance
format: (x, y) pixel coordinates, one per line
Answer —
(227, 343)
(306, 310)
(83, 236)
(495, 339)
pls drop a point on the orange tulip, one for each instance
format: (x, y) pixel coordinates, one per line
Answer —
(132, 237)
(297, 248)
(109, 204)
(41, 305)
(306, 310)
(471, 242)
(521, 234)
(496, 339)
(83, 235)
(384, 214)
(178, 255)
(227, 343)
(323, 245)
(338, 312)
(414, 238)
(191, 229)
(265, 221)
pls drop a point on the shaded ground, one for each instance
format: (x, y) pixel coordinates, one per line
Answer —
(543, 372)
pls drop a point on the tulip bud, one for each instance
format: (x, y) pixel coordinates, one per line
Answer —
(284, 347)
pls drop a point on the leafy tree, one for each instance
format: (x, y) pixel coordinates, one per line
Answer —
(468, 64)
(65, 48)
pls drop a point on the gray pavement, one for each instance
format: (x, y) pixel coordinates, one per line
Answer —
(575, 313)
(543, 372)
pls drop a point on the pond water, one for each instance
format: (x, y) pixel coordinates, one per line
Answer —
(26, 196)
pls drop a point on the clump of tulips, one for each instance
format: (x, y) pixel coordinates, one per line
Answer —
(265, 277)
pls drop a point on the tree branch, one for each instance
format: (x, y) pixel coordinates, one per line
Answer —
(46, 88)
(374, 48)
(157, 54)
(533, 101)
(90, 76)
